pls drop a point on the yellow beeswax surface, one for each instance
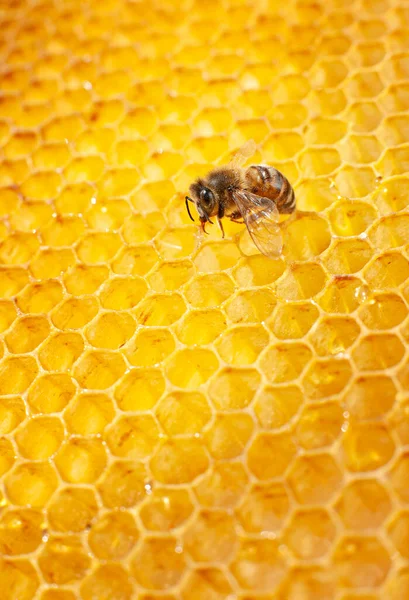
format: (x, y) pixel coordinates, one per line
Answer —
(182, 418)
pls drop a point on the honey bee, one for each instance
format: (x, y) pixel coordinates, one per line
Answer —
(255, 196)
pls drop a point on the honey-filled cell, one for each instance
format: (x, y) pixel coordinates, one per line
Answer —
(182, 416)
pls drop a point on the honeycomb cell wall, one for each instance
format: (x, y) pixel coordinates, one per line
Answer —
(182, 418)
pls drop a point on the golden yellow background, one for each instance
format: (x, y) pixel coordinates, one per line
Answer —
(182, 418)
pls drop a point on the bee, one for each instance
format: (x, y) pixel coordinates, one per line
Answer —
(255, 196)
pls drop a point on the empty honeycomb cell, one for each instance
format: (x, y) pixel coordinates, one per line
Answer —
(139, 228)
(355, 182)
(326, 377)
(72, 509)
(398, 584)
(262, 450)
(394, 130)
(325, 131)
(319, 161)
(234, 388)
(40, 438)
(109, 580)
(51, 393)
(113, 536)
(43, 185)
(398, 531)
(122, 293)
(391, 195)
(242, 345)
(134, 260)
(388, 270)
(89, 414)
(160, 310)
(397, 477)
(211, 538)
(306, 236)
(98, 370)
(385, 311)
(170, 276)
(183, 413)
(361, 562)
(111, 330)
(367, 446)
(293, 321)
(62, 231)
(75, 313)
(26, 334)
(166, 509)
(228, 435)
(31, 484)
(50, 263)
(300, 282)
(310, 533)
(206, 149)
(319, 425)
(21, 531)
(159, 563)
(8, 314)
(51, 156)
(334, 335)
(216, 256)
(207, 583)
(123, 484)
(282, 146)
(150, 347)
(276, 406)
(378, 351)
(363, 505)
(315, 478)
(139, 389)
(348, 256)
(81, 460)
(20, 144)
(40, 297)
(390, 232)
(285, 362)
(14, 171)
(104, 216)
(201, 327)
(370, 396)
(259, 565)
(133, 437)
(209, 290)
(351, 217)
(84, 279)
(190, 367)
(7, 455)
(222, 486)
(97, 248)
(179, 461)
(12, 413)
(63, 560)
(18, 248)
(364, 116)
(394, 161)
(19, 575)
(60, 351)
(343, 294)
(398, 420)
(264, 508)
(17, 374)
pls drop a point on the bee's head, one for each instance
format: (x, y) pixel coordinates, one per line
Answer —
(204, 199)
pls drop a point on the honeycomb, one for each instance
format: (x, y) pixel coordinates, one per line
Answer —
(181, 417)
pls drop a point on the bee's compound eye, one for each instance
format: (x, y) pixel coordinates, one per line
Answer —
(206, 196)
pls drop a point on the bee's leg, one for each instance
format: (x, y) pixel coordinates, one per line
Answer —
(235, 217)
(219, 221)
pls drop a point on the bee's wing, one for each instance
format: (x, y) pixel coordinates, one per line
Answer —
(261, 218)
(242, 154)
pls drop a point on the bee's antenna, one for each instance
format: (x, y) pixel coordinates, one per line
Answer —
(187, 206)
